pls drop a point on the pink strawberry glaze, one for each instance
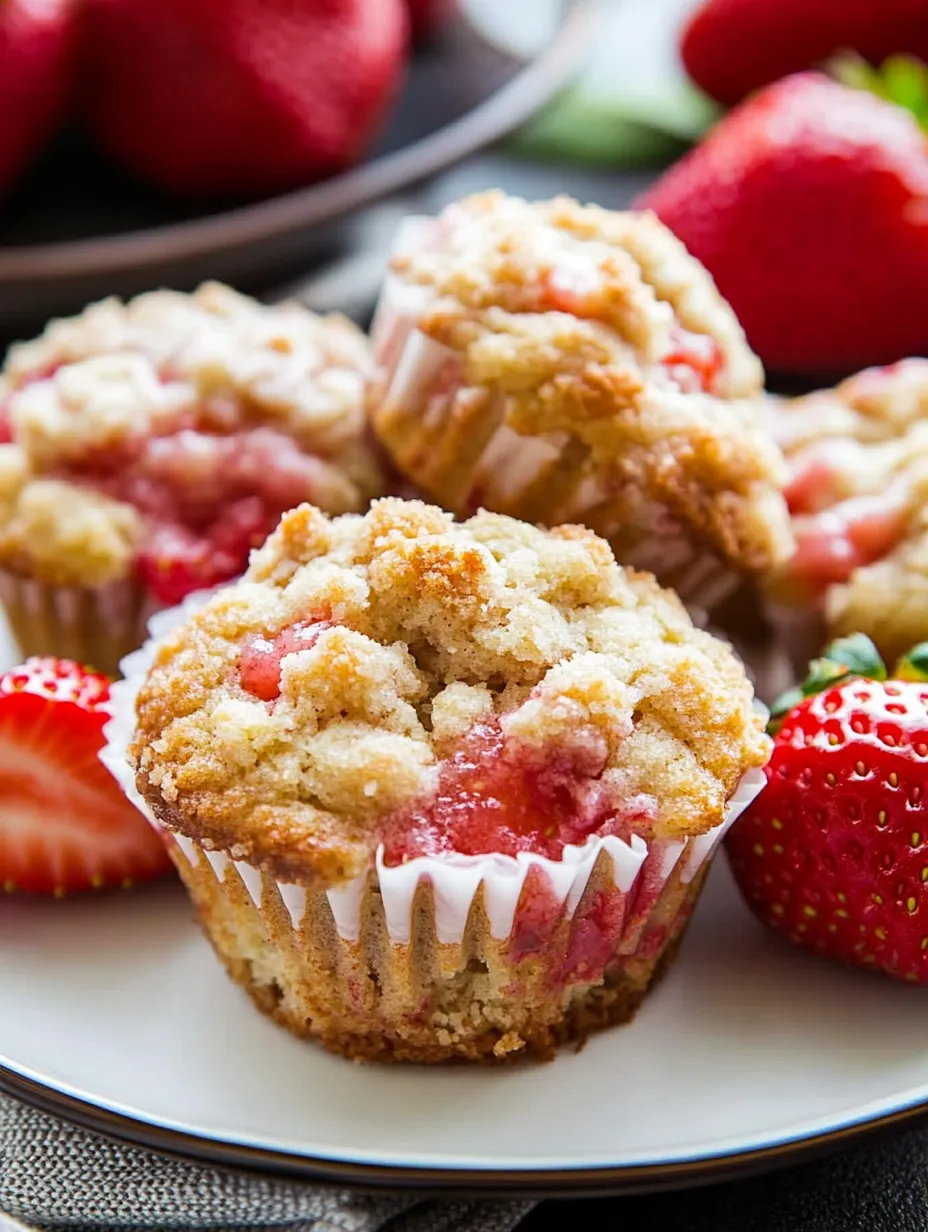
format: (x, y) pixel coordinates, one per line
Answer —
(260, 662)
(497, 796)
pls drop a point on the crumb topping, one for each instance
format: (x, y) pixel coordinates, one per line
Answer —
(162, 413)
(307, 706)
(592, 371)
(858, 485)
(623, 270)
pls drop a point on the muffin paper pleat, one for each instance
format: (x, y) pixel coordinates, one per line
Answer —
(92, 625)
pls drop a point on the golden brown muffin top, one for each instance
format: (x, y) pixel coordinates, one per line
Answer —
(582, 320)
(421, 628)
(92, 385)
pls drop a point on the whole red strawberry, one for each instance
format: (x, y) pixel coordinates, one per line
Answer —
(65, 824)
(239, 96)
(37, 46)
(834, 851)
(731, 47)
(809, 206)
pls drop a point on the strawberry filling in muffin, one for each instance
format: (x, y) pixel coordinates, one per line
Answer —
(496, 796)
(262, 657)
(695, 360)
(573, 277)
(837, 531)
(469, 774)
(155, 443)
(206, 498)
(692, 361)
(598, 924)
(830, 546)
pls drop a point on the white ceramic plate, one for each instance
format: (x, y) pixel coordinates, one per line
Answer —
(115, 1014)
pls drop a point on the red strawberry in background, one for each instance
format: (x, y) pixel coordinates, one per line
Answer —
(65, 824)
(239, 96)
(834, 852)
(809, 206)
(731, 47)
(37, 46)
(426, 17)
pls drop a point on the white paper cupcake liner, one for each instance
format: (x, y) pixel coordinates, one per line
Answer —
(454, 880)
(94, 625)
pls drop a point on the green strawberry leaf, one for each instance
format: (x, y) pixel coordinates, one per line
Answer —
(914, 665)
(900, 79)
(855, 655)
(846, 657)
(678, 108)
(781, 707)
(906, 81)
(588, 124)
(580, 127)
(853, 70)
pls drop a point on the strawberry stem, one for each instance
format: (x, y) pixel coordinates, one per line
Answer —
(900, 79)
(856, 654)
(850, 656)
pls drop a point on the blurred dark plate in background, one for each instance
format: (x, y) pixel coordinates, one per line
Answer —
(78, 229)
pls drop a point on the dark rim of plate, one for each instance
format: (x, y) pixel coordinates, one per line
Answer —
(470, 1182)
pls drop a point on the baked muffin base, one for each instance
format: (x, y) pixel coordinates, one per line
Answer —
(376, 1000)
(614, 1003)
(97, 626)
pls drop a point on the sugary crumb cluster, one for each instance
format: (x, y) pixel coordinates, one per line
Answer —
(169, 433)
(349, 685)
(580, 365)
(858, 493)
(499, 255)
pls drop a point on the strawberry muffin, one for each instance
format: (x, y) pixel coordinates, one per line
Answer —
(440, 790)
(148, 446)
(858, 494)
(559, 362)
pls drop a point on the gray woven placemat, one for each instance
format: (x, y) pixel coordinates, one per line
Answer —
(53, 1175)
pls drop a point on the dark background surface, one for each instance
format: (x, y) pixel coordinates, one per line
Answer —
(876, 1188)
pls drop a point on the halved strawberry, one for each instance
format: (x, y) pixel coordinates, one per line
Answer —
(65, 824)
